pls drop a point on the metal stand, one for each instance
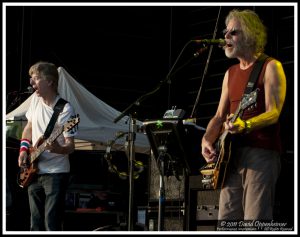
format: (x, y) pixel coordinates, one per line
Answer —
(131, 138)
(13, 103)
(131, 155)
(162, 197)
(132, 129)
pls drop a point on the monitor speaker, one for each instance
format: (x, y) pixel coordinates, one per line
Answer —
(174, 185)
(208, 204)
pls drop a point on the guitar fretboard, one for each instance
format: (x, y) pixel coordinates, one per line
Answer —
(36, 153)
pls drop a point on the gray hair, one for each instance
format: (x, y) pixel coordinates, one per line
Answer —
(254, 31)
(47, 70)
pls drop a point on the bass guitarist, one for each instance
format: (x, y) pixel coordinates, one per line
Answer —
(47, 188)
(251, 176)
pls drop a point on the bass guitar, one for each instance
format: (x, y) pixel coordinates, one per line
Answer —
(213, 174)
(29, 169)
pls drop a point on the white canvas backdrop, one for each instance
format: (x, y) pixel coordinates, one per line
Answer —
(96, 127)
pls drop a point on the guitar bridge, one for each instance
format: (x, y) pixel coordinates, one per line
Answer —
(208, 172)
(207, 181)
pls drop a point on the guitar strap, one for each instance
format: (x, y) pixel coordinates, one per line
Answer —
(255, 73)
(57, 109)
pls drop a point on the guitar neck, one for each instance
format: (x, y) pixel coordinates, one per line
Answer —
(236, 114)
(234, 117)
(41, 148)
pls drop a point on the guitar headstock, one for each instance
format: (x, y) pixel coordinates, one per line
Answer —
(249, 99)
(71, 123)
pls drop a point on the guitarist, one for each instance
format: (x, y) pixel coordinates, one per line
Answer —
(47, 190)
(249, 187)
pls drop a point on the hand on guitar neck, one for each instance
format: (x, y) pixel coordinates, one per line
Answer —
(53, 147)
(234, 127)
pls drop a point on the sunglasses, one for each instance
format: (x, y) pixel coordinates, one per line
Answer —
(232, 32)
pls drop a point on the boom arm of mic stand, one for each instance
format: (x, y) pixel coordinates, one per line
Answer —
(143, 97)
(137, 103)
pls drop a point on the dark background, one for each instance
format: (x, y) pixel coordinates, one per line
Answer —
(120, 53)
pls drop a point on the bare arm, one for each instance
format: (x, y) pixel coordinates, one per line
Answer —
(275, 91)
(27, 134)
(215, 124)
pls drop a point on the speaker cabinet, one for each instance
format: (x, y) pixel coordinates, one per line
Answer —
(208, 205)
(173, 218)
(207, 210)
(203, 206)
(174, 186)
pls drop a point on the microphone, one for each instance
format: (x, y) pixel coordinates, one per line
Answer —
(220, 42)
(30, 90)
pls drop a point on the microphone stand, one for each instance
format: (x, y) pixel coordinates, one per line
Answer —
(206, 67)
(18, 97)
(15, 101)
(162, 193)
(131, 138)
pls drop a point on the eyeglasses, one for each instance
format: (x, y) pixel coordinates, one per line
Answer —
(35, 79)
(232, 32)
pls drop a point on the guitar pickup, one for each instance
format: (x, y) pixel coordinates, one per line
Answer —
(208, 169)
(207, 172)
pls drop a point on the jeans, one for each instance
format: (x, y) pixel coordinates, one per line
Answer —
(46, 200)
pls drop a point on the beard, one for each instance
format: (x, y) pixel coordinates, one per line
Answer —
(234, 51)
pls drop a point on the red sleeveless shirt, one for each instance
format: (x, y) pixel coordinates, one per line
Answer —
(267, 137)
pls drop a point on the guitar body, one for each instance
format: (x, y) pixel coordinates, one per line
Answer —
(222, 162)
(214, 174)
(29, 170)
(27, 174)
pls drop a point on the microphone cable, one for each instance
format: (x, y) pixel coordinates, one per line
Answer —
(206, 66)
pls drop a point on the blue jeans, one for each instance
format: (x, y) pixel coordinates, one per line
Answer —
(46, 200)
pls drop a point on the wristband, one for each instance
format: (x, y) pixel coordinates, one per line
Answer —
(24, 145)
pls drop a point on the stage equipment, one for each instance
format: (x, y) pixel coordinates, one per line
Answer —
(131, 113)
(138, 165)
(221, 41)
(166, 137)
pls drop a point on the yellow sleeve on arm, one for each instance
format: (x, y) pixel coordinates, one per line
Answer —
(261, 121)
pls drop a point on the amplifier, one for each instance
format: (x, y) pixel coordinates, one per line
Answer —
(174, 186)
(173, 218)
(207, 205)
(207, 212)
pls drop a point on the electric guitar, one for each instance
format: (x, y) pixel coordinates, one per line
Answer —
(214, 173)
(28, 171)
